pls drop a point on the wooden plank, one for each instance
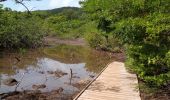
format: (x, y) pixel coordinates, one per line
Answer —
(114, 83)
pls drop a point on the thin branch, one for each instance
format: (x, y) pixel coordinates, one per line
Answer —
(21, 2)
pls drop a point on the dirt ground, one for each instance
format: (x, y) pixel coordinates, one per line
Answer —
(38, 95)
(53, 40)
(161, 94)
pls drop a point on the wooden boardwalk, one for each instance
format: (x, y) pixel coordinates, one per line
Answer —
(114, 83)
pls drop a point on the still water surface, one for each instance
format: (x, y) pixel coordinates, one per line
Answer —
(33, 66)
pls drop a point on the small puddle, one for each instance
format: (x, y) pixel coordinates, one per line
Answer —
(40, 66)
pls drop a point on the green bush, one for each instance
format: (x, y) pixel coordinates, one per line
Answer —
(148, 47)
(143, 26)
(19, 30)
(95, 40)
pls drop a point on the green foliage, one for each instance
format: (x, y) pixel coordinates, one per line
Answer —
(64, 22)
(148, 46)
(143, 26)
(19, 30)
(95, 40)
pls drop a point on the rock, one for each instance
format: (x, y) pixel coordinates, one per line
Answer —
(41, 72)
(50, 72)
(36, 87)
(58, 91)
(10, 82)
(57, 73)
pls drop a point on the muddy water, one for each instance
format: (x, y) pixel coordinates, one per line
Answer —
(33, 67)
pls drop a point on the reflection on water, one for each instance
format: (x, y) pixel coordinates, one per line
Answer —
(35, 65)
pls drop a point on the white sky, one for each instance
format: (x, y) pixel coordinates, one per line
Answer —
(41, 5)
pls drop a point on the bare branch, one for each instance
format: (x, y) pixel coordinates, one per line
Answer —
(21, 2)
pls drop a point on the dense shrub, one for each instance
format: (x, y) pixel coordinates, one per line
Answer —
(148, 47)
(19, 30)
(143, 26)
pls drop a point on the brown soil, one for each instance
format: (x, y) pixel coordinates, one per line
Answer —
(158, 94)
(53, 41)
(38, 95)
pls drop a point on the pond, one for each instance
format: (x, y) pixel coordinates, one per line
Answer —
(65, 67)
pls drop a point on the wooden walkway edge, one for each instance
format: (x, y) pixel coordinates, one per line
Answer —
(113, 83)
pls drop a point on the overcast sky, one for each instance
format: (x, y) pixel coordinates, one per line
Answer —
(41, 5)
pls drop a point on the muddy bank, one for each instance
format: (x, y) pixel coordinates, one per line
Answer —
(38, 95)
(56, 94)
(155, 94)
(53, 41)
